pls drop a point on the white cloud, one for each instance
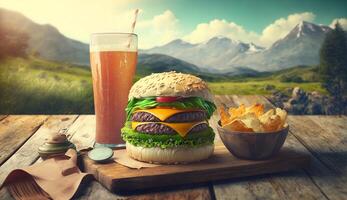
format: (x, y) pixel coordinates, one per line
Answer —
(281, 27)
(159, 30)
(217, 27)
(79, 18)
(342, 21)
(276, 30)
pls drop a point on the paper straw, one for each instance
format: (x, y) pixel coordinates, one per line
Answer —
(133, 27)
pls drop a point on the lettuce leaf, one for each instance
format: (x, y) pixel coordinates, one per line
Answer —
(167, 141)
(186, 103)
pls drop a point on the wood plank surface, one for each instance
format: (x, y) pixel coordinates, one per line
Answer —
(27, 153)
(289, 185)
(15, 130)
(326, 138)
(3, 117)
(97, 191)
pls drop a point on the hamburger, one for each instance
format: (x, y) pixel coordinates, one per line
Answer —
(167, 119)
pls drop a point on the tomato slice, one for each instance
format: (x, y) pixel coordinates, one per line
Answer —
(166, 99)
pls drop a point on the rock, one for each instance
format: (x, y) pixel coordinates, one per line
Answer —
(298, 109)
(315, 94)
(288, 90)
(292, 101)
(298, 102)
(315, 108)
(277, 98)
(269, 87)
(288, 107)
(330, 108)
(345, 105)
(315, 105)
(298, 94)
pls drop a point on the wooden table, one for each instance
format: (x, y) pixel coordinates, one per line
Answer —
(323, 137)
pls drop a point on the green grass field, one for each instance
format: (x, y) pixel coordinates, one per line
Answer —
(35, 86)
(32, 85)
(259, 87)
(307, 75)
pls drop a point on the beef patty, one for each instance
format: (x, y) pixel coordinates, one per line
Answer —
(157, 128)
(191, 116)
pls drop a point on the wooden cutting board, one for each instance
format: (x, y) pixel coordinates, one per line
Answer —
(220, 166)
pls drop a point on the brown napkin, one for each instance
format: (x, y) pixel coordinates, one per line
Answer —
(55, 178)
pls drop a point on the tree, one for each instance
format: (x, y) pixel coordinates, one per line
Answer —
(333, 65)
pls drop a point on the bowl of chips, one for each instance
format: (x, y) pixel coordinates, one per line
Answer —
(250, 133)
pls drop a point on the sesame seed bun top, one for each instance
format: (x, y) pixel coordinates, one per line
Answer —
(170, 84)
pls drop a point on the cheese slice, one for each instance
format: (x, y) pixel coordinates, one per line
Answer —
(181, 128)
(163, 113)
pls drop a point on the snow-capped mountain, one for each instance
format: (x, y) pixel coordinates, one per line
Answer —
(299, 47)
(210, 54)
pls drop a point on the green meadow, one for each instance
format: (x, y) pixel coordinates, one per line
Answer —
(259, 87)
(305, 77)
(35, 86)
(29, 86)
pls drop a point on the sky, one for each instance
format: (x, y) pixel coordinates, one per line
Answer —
(161, 21)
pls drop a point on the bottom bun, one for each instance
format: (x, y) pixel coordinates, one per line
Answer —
(169, 155)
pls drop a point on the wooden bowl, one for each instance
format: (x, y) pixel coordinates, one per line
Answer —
(253, 146)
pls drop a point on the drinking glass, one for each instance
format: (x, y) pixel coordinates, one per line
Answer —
(113, 59)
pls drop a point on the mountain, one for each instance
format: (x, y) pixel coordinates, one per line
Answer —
(299, 47)
(171, 47)
(220, 54)
(217, 55)
(151, 63)
(211, 55)
(46, 40)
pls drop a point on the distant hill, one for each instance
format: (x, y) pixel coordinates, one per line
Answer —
(211, 55)
(220, 54)
(46, 40)
(306, 74)
(153, 63)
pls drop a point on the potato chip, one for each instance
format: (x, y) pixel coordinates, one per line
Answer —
(253, 123)
(253, 119)
(237, 112)
(273, 123)
(237, 125)
(258, 109)
(248, 115)
(224, 116)
(283, 115)
(264, 117)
